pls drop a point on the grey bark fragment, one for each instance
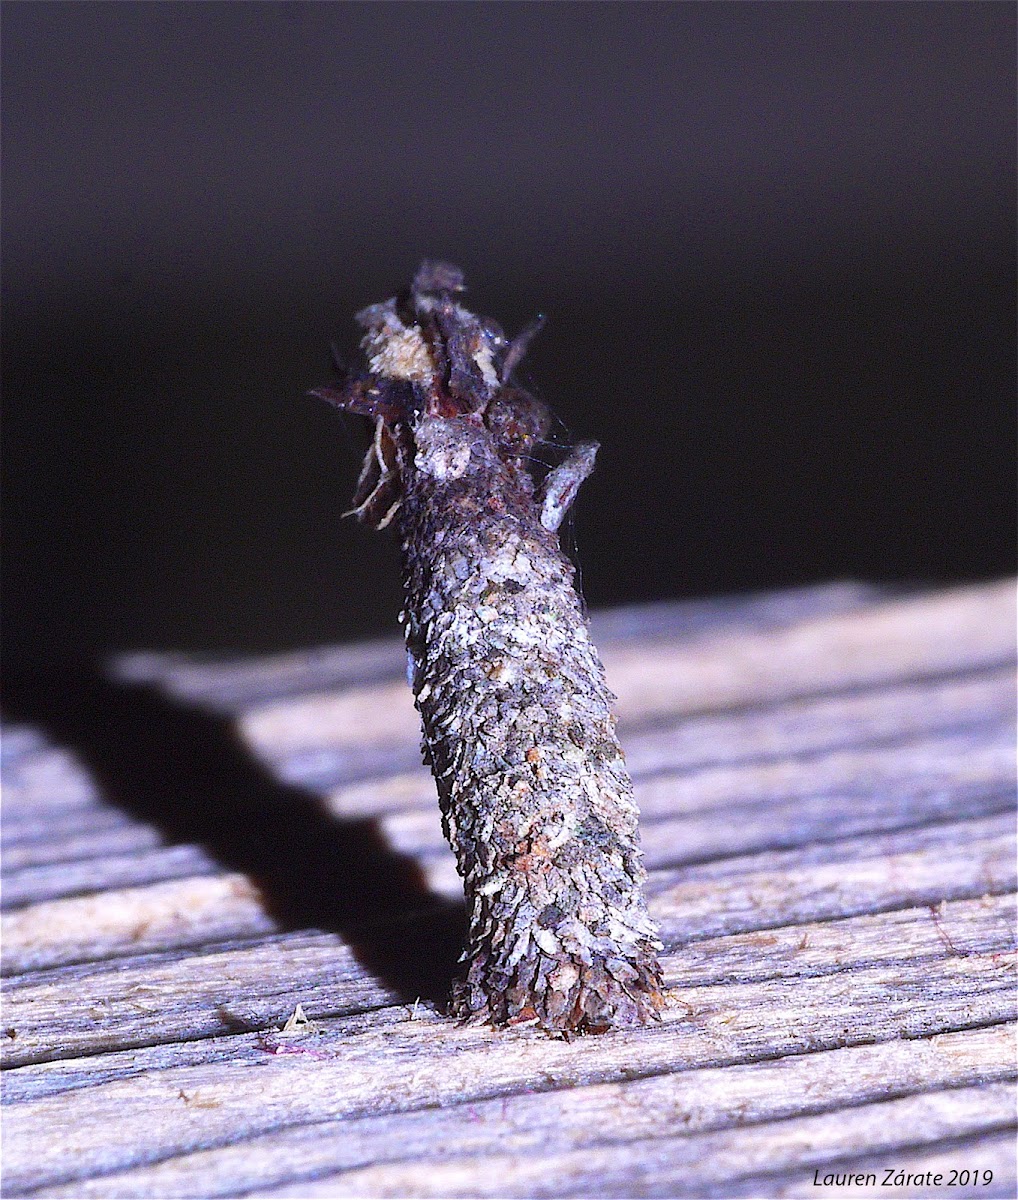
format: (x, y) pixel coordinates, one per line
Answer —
(559, 490)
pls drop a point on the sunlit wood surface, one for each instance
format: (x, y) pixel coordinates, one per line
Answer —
(191, 850)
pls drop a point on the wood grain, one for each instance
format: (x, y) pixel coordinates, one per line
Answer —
(827, 780)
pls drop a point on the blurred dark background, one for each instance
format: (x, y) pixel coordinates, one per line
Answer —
(775, 244)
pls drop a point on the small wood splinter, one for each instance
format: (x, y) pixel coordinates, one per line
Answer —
(518, 728)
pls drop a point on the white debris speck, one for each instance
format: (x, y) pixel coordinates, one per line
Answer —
(487, 367)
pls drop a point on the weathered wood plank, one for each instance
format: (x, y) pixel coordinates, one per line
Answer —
(681, 1165)
(74, 838)
(562, 1119)
(826, 797)
(32, 885)
(680, 814)
(187, 912)
(892, 724)
(79, 1133)
(686, 769)
(827, 780)
(949, 861)
(978, 708)
(977, 623)
(913, 639)
(104, 1007)
(978, 704)
(797, 728)
(854, 875)
(46, 781)
(234, 685)
(668, 766)
(994, 1154)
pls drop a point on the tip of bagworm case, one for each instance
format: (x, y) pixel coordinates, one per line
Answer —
(435, 276)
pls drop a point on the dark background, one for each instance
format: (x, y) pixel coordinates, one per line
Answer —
(775, 245)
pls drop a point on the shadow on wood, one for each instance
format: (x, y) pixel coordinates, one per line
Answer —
(185, 771)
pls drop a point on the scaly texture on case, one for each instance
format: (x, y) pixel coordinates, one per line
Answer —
(518, 728)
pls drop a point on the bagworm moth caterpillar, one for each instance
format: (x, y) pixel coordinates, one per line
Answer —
(518, 729)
